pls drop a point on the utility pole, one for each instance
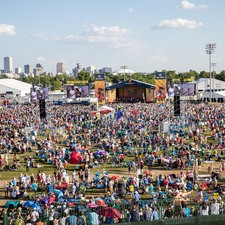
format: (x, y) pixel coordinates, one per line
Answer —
(213, 78)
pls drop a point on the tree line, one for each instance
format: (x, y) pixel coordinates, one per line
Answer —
(56, 82)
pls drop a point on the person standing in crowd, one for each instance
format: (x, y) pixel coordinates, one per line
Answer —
(72, 219)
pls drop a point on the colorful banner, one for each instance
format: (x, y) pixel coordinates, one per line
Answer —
(160, 88)
(111, 95)
(149, 95)
(100, 91)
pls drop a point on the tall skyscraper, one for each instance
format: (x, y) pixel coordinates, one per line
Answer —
(18, 70)
(77, 69)
(27, 69)
(8, 65)
(60, 68)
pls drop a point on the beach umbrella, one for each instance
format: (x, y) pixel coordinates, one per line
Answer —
(100, 202)
(92, 205)
(116, 177)
(29, 203)
(36, 206)
(58, 193)
(110, 212)
(75, 158)
(97, 173)
(148, 172)
(8, 203)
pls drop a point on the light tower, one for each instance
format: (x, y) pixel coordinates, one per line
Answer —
(210, 49)
(124, 69)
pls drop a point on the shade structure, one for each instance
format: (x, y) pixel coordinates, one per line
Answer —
(75, 158)
(148, 172)
(110, 212)
(135, 112)
(100, 202)
(116, 177)
(105, 109)
(28, 203)
(36, 206)
(11, 203)
(92, 205)
(58, 192)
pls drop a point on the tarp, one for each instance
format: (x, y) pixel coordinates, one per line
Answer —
(75, 158)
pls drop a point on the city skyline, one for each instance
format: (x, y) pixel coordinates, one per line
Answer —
(144, 35)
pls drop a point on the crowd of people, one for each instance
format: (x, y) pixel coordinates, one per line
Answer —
(136, 142)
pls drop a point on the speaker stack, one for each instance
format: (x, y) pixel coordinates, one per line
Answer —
(42, 107)
(176, 103)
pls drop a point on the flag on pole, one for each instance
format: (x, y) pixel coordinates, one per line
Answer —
(119, 114)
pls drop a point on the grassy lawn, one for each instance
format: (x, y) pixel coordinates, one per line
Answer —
(48, 168)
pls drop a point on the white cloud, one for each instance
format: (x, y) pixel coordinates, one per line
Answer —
(130, 10)
(113, 37)
(8, 30)
(158, 57)
(177, 24)
(189, 5)
(41, 36)
(43, 59)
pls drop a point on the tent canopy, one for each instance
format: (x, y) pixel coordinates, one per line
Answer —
(75, 158)
(105, 107)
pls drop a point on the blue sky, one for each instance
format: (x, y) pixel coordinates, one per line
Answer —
(145, 35)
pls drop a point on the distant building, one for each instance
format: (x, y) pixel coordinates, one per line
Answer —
(77, 70)
(38, 71)
(60, 68)
(8, 65)
(38, 65)
(105, 70)
(18, 70)
(123, 71)
(92, 70)
(27, 69)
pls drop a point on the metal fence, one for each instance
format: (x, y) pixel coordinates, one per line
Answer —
(167, 209)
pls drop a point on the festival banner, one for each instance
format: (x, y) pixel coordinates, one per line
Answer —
(111, 95)
(100, 91)
(149, 95)
(160, 86)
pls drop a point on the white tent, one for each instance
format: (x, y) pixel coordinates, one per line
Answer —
(17, 87)
(105, 108)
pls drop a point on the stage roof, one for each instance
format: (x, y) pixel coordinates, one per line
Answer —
(130, 82)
